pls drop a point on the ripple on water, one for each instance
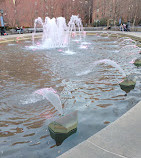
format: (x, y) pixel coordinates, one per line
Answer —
(92, 90)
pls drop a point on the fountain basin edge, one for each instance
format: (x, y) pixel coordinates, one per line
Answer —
(119, 139)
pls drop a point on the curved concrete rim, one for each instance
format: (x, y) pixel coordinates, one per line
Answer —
(19, 37)
(121, 139)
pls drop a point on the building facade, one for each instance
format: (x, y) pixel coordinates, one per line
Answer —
(23, 12)
(114, 10)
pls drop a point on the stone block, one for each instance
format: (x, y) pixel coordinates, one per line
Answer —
(63, 127)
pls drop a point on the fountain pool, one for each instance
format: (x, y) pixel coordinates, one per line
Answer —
(82, 85)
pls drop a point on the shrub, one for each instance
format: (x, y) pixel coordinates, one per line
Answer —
(102, 22)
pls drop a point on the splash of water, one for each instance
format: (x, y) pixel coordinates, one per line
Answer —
(51, 95)
(132, 61)
(55, 32)
(128, 41)
(30, 99)
(130, 47)
(105, 61)
(68, 52)
(74, 23)
(83, 47)
(112, 63)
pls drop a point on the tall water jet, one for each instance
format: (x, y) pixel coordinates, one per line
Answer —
(55, 32)
(37, 21)
(75, 24)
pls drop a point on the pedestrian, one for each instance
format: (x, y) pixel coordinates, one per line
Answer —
(121, 27)
(124, 27)
(2, 26)
(128, 26)
(21, 28)
(18, 30)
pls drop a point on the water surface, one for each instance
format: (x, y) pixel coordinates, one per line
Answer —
(92, 90)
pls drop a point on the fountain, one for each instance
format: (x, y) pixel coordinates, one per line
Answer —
(51, 95)
(105, 61)
(31, 113)
(74, 23)
(112, 63)
(61, 128)
(126, 85)
(56, 33)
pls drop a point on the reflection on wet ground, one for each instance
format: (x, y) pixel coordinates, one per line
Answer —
(97, 95)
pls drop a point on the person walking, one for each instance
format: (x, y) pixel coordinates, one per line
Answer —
(124, 27)
(128, 26)
(121, 27)
(2, 26)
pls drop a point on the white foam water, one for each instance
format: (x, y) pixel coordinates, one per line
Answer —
(69, 52)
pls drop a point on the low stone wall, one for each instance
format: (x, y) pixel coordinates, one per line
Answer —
(114, 28)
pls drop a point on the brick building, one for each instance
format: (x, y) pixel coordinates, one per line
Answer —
(23, 12)
(129, 10)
